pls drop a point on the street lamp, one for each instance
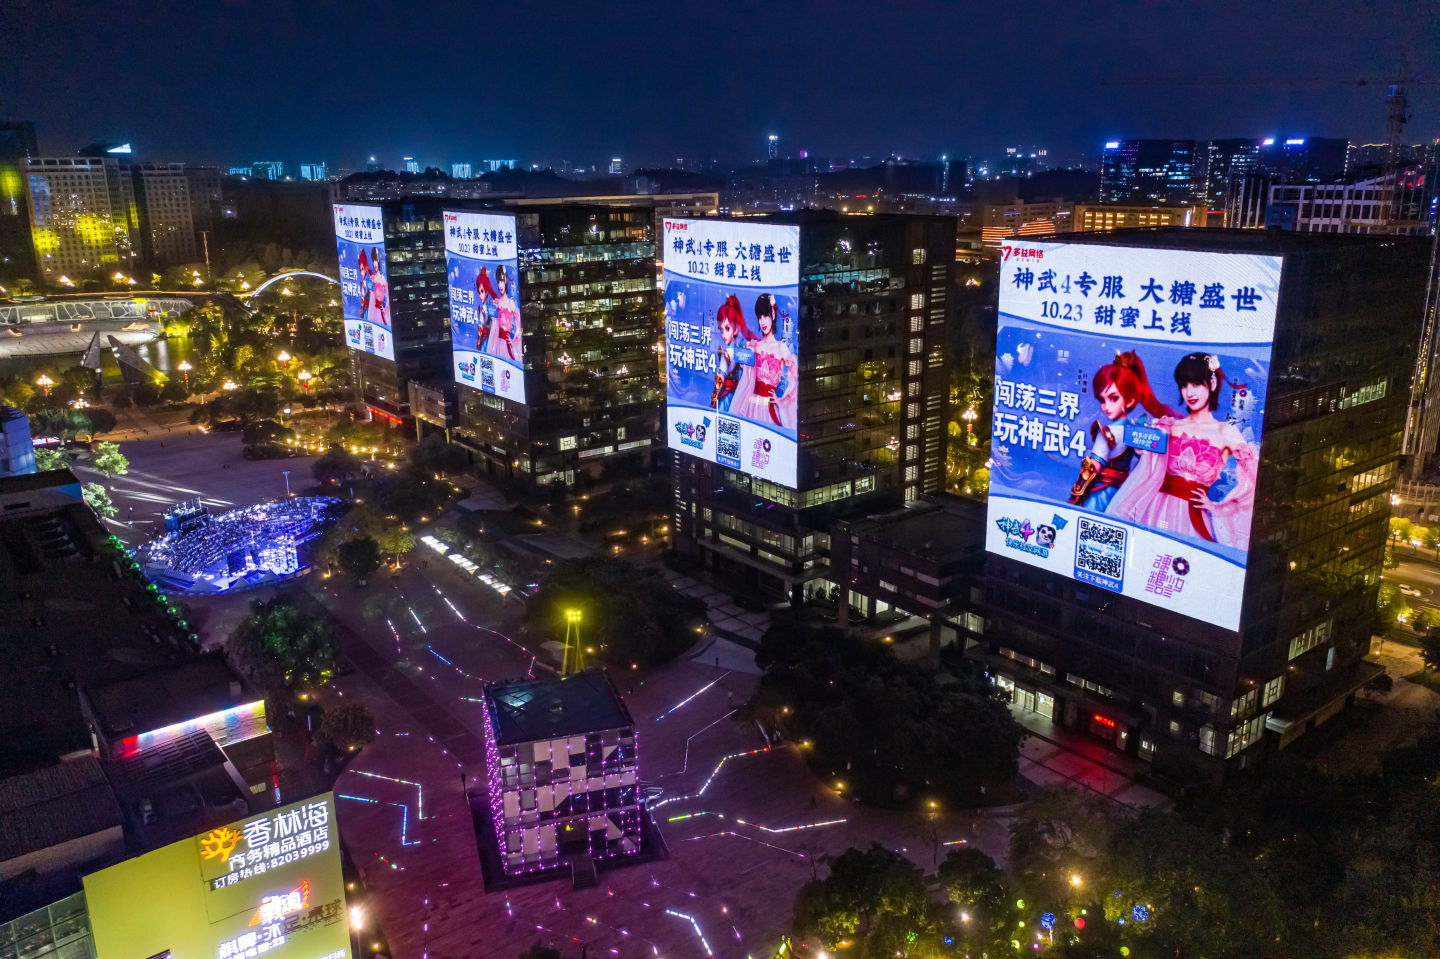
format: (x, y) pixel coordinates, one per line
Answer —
(44, 382)
(287, 483)
(284, 359)
(184, 369)
(304, 379)
(229, 385)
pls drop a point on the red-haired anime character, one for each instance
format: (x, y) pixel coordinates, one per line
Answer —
(730, 371)
(485, 308)
(1125, 398)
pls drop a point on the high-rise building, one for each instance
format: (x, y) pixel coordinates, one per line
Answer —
(1303, 159)
(268, 170)
(812, 391)
(314, 172)
(1151, 171)
(205, 201)
(412, 165)
(163, 202)
(17, 250)
(1225, 162)
(588, 389)
(462, 171)
(1202, 594)
(83, 216)
(772, 147)
(617, 165)
(394, 299)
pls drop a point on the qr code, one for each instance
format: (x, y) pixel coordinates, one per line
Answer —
(1100, 550)
(728, 443)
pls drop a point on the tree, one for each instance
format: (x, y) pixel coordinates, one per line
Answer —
(1391, 607)
(348, 726)
(359, 557)
(1430, 649)
(98, 500)
(53, 459)
(1424, 619)
(630, 613)
(875, 896)
(107, 458)
(336, 466)
(394, 540)
(1431, 539)
(284, 646)
(1060, 834)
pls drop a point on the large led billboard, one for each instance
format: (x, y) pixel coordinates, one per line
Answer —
(483, 266)
(732, 344)
(266, 885)
(364, 280)
(1130, 390)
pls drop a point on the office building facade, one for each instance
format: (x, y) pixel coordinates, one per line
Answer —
(418, 310)
(17, 250)
(83, 216)
(1194, 697)
(590, 316)
(870, 412)
(1152, 171)
(164, 206)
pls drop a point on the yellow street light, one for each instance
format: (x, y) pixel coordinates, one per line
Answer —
(572, 615)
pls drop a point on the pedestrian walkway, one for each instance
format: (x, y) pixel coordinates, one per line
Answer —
(1053, 755)
(727, 618)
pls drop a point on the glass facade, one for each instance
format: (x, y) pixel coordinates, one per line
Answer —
(60, 930)
(1202, 695)
(591, 317)
(872, 315)
(1151, 171)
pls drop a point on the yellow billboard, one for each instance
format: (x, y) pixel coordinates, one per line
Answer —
(268, 885)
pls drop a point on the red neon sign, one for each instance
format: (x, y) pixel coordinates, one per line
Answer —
(1105, 721)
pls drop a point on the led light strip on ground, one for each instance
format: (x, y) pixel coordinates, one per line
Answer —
(690, 697)
(404, 815)
(419, 791)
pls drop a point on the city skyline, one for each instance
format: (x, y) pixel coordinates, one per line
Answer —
(940, 81)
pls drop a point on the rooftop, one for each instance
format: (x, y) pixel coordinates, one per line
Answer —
(74, 614)
(166, 696)
(539, 709)
(53, 805)
(939, 529)
(1278, 242)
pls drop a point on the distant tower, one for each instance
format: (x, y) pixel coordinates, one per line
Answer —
(773, 146)
(412, 165)
(617, 165)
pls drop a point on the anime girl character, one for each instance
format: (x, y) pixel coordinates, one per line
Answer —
(1170, 490)
(380, 295)
(507, 314)
(773, 358)
(486, 311)
(1125, 398)
(731, 372)
(362, 267)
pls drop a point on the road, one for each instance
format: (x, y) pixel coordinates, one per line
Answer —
(1420, 573)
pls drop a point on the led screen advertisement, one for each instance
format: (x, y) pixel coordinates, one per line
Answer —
(269, 885)
(1130, 391)
(485, 341)
(732, 344)
(364, 280)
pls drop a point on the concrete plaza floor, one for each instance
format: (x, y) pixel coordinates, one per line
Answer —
(746, 824)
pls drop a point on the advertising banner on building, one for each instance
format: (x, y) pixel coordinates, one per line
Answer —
(1130, 391)
(732, 344)
(485, 341)
(269, 885)
(364, 280)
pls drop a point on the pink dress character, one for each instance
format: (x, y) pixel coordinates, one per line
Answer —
(772, 358)
(1170, 491)
(507, 315)
(380, 297)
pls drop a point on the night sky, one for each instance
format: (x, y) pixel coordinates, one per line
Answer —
(652, 81)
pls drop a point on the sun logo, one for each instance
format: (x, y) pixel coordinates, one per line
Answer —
(219, 843)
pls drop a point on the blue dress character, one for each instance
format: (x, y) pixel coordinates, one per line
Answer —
(1125, 398)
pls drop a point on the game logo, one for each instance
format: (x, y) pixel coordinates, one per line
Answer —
(266, 885)
(364, 280)
(485, 334)
(1130, 391)
(732, 344)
